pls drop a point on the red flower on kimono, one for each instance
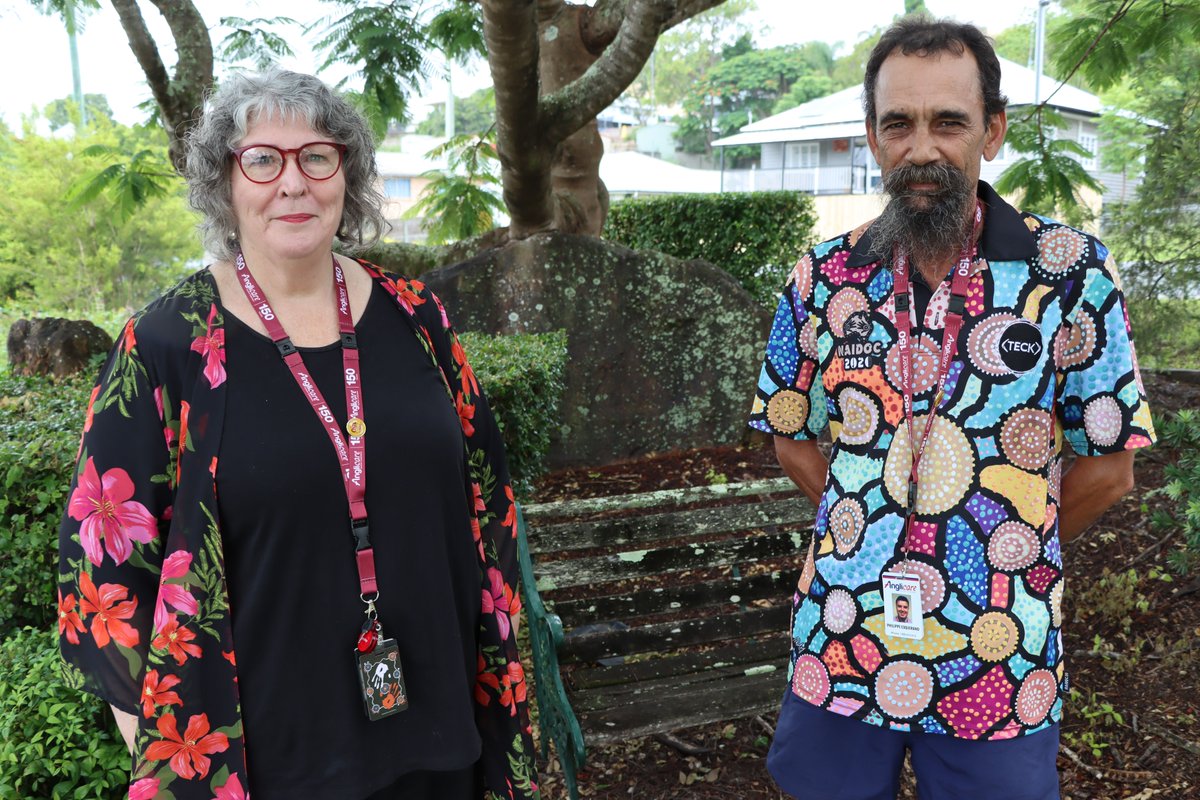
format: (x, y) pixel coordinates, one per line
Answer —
(145, 789)
(109, 610)
(157, 692)
(510, 519)
(104, 507)
(174, 566)
(184, 409)
(91, 409)
(409, 294)
(466, 375)
(128, 340)
(484, 680)
(513, 688)
(211, 346)
(188, 753)
(496, 600)
(68, 618)
(232, 790)
(177, 640)
(466, 412)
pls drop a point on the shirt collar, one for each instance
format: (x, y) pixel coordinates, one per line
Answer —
(1005, 236)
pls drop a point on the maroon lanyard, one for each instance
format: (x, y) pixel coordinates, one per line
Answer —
(352, 455)
(906, 333)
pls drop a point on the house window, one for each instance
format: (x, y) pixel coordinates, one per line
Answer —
(1088, 142)
(803, 154)
(397, 188)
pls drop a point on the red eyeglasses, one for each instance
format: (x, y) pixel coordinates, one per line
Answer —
(263, 163)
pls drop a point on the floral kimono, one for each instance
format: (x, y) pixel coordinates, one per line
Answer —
(143, 606)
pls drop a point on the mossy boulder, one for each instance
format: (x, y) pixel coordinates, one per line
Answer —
(663, 353)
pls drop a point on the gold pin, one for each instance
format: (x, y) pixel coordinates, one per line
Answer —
(356, 427)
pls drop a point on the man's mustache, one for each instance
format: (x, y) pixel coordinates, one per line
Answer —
(943, 176)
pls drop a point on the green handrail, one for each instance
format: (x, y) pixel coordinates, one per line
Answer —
(555, 715)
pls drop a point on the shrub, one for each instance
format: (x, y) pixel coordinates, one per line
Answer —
(754, 236)
(40, 421)
(522, 376)
(1181, 432)
(55, 742)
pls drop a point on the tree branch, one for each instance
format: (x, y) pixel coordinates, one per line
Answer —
(570, 108)
(605, 17)
(511, 31)
(144, 49)
(180, 97)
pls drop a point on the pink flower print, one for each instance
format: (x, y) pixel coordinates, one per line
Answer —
(232, 790)
(168, 434)
(212, 347)
(104, 507)
(145, 789)
(175, 566)
(495, 601)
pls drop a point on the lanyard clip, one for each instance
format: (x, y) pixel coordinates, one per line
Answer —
(912, 497)
(362, 534)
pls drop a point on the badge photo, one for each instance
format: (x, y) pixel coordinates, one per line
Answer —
(902, 613)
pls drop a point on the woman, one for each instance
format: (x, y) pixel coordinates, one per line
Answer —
(318, 631)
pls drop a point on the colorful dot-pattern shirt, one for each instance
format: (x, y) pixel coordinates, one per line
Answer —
(1044, 355)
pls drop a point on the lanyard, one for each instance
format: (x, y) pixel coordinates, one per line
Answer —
(351, 455)
(906, 333)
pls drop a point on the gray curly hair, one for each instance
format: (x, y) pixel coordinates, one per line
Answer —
(245, 99)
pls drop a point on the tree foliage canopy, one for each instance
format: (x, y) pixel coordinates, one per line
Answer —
(84, 255)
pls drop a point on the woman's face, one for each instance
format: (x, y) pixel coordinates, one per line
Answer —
(294, 216)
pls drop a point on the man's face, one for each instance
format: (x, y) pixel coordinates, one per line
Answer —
(930, 111)
(901, 610)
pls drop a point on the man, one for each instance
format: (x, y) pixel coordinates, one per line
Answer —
(901, 608)
(1038, 350)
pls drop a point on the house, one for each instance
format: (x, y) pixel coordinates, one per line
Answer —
(820, 147)
(401, 172)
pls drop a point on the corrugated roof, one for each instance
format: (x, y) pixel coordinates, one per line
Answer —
(628, 172)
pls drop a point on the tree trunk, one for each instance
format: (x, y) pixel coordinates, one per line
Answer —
(180, 97)
(555, 66)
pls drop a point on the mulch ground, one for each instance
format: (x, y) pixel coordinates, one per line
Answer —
(1132, 728)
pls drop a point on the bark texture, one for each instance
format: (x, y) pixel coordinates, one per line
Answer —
(180, 96)
(555, 66)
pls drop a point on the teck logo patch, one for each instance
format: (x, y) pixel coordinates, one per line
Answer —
(1021, 346)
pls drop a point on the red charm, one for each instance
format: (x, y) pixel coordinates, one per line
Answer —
(366, 642)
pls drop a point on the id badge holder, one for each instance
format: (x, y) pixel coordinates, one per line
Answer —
(381, 679)
(902, 612)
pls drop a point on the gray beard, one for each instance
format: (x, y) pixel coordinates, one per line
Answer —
(927, 233)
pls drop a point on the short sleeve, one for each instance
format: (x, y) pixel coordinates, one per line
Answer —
(789, 400)
(1101, 403)
(110, 539)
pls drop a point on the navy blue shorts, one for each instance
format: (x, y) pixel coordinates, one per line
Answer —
(821, 755)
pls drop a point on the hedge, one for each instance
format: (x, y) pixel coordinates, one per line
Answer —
(522, 378)
(40, 421)
(55, 741)
(755, 236)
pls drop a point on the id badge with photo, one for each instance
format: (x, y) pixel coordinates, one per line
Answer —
(902, 613)
(382, 680)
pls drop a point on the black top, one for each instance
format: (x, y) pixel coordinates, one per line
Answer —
(292, 580)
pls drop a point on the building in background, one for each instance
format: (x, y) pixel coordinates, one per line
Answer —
(820, 147)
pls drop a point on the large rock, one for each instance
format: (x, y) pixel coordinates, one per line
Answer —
(52, 346)
(663, 354)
